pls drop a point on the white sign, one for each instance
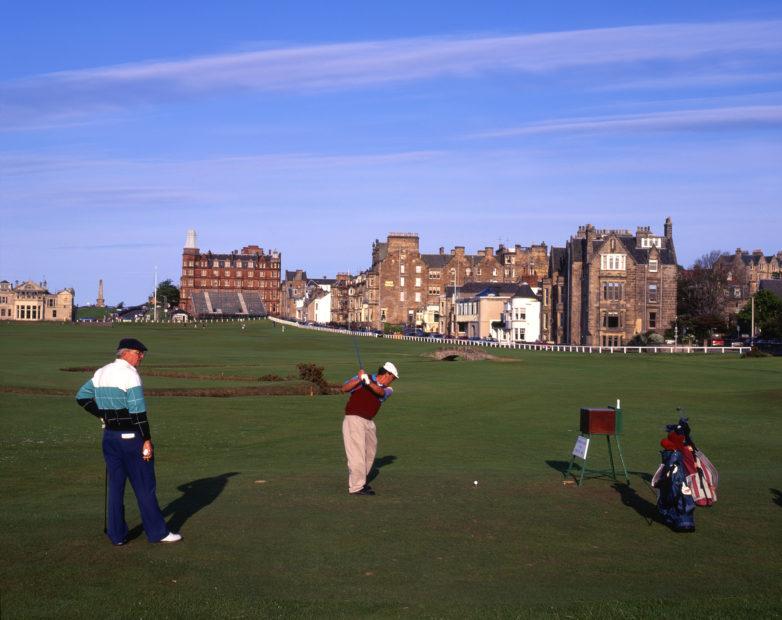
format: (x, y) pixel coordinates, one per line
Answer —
(581, 447)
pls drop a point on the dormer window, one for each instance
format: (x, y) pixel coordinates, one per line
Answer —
(653, 265)
(651, 242)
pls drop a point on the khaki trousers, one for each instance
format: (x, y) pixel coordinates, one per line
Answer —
(360, 447)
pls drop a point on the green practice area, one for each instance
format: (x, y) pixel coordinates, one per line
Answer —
(257, 483)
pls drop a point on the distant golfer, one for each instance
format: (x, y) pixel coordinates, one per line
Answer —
(367, 393)
(115, 395)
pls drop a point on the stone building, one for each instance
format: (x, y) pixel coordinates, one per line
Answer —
(29, 301)
(238, 284)
(744, 271)
(606, 286)
(405, 287)
(292, 293)
(340, 300)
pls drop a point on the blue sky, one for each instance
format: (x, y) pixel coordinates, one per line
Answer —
(314, 128)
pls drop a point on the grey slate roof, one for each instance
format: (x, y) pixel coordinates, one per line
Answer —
(435, 261)
(775, 286)
(289, 275)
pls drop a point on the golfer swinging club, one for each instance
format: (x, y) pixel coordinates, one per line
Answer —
(367, 393)
(115, 395)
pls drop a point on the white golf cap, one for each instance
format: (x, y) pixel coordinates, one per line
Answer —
(388, 366)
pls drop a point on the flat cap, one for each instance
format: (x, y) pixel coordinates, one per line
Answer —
(131, 343)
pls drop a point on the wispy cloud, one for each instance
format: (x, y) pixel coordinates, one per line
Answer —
(67, 97)
(679, 120)
(111, 246)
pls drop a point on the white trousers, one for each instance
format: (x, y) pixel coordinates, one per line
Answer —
(360, 440)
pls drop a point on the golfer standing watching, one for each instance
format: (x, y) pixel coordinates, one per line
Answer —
(367, 393)
(115, 395)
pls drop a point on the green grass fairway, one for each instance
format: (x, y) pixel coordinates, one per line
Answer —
(431, 544)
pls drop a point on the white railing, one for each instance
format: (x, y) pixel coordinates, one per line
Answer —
(527, 346)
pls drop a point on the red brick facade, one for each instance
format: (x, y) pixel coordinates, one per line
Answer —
(250, 269)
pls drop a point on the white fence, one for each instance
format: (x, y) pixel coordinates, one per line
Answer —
(567, 348)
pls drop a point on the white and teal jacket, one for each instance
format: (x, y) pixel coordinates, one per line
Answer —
(115, 394)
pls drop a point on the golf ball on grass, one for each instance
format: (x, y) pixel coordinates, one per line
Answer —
(475, 482)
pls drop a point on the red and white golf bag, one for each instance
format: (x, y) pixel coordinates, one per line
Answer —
(703, 480)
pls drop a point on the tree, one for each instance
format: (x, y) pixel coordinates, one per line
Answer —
(708, 260)
(768, 315)
(702, 296)
(168, 293)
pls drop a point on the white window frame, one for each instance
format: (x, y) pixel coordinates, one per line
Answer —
(613, 262)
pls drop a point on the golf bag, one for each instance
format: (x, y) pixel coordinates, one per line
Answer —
(702, 476)
(674, 498)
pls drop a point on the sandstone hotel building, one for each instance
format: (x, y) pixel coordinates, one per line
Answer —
(242, 283)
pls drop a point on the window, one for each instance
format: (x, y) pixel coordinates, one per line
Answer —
(612, 262)
(611, 320)
(402, 296)
(418, 268)
(653, 265)
(612, 341)
(651, 242)
(653, 294)
(402, 281)
(418, 282)
(494, 271)
(434, 290)
(402, 268)
(434, 275)
(613, 291)
(54, 314)
(418, 296)
(652, 320)
(383, 313)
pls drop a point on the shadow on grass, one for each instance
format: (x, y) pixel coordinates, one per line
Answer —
(641, 505)
(380, 462)
(196, 495)
(776, 496)
(561, 467)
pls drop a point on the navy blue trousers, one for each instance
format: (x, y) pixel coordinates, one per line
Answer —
(123, 462)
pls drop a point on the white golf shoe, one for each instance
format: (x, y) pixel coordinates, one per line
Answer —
(171, 538)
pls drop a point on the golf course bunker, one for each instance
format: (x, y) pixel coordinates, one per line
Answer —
(467, 355)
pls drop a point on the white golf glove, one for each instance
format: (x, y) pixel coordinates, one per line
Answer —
(365, 378)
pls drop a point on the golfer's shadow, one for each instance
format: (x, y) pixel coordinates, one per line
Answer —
(776, 496)
(196, 495)
(379, 462)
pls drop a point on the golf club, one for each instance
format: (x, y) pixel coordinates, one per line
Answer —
(355, 346)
